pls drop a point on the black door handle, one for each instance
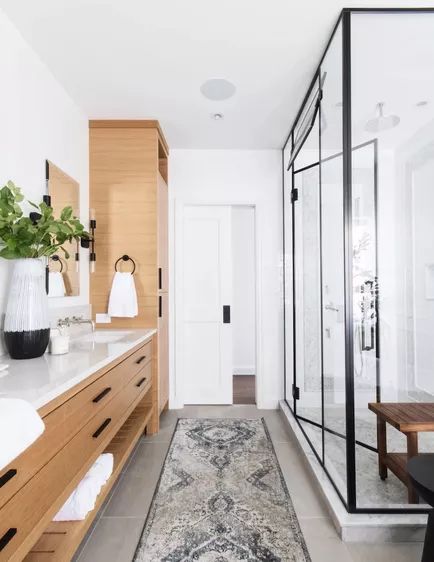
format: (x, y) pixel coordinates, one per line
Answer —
(7, 537)
(101, 428)
(102, 394)
(226, 314)
(7, 476)
(160, 278)
(160, 306)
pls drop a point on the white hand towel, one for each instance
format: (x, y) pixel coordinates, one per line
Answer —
(83, 498)
(123, 296)
(20, 426)
(56, 284)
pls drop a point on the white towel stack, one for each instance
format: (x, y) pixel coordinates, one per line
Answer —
(56, 284)
(20, 426)
(83, 498)
(123, 296)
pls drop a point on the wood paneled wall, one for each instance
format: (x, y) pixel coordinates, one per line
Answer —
(125, 157)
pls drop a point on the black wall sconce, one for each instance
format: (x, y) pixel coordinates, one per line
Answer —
(91, 241)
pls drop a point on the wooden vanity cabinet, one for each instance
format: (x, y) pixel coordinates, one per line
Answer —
(107, 412)
(129, 193)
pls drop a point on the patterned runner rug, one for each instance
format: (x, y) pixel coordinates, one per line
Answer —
(221, 498)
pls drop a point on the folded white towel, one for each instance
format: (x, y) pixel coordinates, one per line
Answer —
(56, 284)
(20, 426)
(83, 498)
(123, 296)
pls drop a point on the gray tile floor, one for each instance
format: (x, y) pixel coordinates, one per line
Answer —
(116, 532)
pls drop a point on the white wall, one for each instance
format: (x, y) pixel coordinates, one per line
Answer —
(39, 121)
(244, 178)
(244, 290)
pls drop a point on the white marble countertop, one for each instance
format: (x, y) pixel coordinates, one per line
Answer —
(41, 380)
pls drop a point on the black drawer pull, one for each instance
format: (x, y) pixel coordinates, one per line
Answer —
(101, 428)
(7, 476)
(141, 381)
(160, 278)
(102, 394)
(7, 537)
(140, 359)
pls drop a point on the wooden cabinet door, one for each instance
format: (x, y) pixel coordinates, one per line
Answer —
(163, 235)
(163, 349)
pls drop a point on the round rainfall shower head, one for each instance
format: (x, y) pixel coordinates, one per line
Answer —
(381, 122)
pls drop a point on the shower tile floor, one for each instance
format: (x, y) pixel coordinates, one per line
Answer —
(371, 490)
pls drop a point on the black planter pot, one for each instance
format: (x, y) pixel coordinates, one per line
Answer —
(27, 345)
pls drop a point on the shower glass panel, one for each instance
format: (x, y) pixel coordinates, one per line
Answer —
(288, 276)
(359, 256)
(332, 250)
(307, 279)
(393, 302)
(307, 295)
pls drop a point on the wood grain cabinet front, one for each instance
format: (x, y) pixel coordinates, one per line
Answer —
(32, 508)
(36, 485)
(65, 421)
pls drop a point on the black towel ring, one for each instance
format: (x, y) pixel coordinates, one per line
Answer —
(125, 258)
(57, 258)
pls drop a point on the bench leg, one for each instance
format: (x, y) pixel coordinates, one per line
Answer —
(382, 448)
(428, 546)
(412, 451)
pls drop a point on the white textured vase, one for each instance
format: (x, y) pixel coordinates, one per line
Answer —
(27, 326)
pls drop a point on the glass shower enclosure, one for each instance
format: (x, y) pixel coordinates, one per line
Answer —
(358, 199)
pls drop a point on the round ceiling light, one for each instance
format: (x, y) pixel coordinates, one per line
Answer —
(217, 89)
(217, 116)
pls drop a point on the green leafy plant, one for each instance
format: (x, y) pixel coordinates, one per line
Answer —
(40, 234)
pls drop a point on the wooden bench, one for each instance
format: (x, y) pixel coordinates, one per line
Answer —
(410, 419)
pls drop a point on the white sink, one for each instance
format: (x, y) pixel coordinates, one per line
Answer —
(104, 336)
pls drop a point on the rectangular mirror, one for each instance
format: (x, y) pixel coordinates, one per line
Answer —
(64, 276)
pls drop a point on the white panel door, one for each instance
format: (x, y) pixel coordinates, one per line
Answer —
(207, 288)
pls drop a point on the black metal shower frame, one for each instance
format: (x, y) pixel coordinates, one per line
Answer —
(350, 501)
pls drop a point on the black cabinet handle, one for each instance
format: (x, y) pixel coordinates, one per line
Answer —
(140, 359)
(160, 278)
(101, 428)
(7, 476)
(226, 314)
(7, 537)
(141, 381)
(160, 306)
(102, 394)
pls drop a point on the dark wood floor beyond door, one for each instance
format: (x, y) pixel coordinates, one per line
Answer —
(244, 389)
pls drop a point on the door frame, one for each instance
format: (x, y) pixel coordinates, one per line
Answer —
(176, 386)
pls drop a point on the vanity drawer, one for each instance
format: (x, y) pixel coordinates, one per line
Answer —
(138, 359)
(65, 421)
(140, 383)
(20, 470)
(29, 511)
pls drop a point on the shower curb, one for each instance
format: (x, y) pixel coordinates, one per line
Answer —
(354, 527)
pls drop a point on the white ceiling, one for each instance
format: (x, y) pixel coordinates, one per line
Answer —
(138, 59)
